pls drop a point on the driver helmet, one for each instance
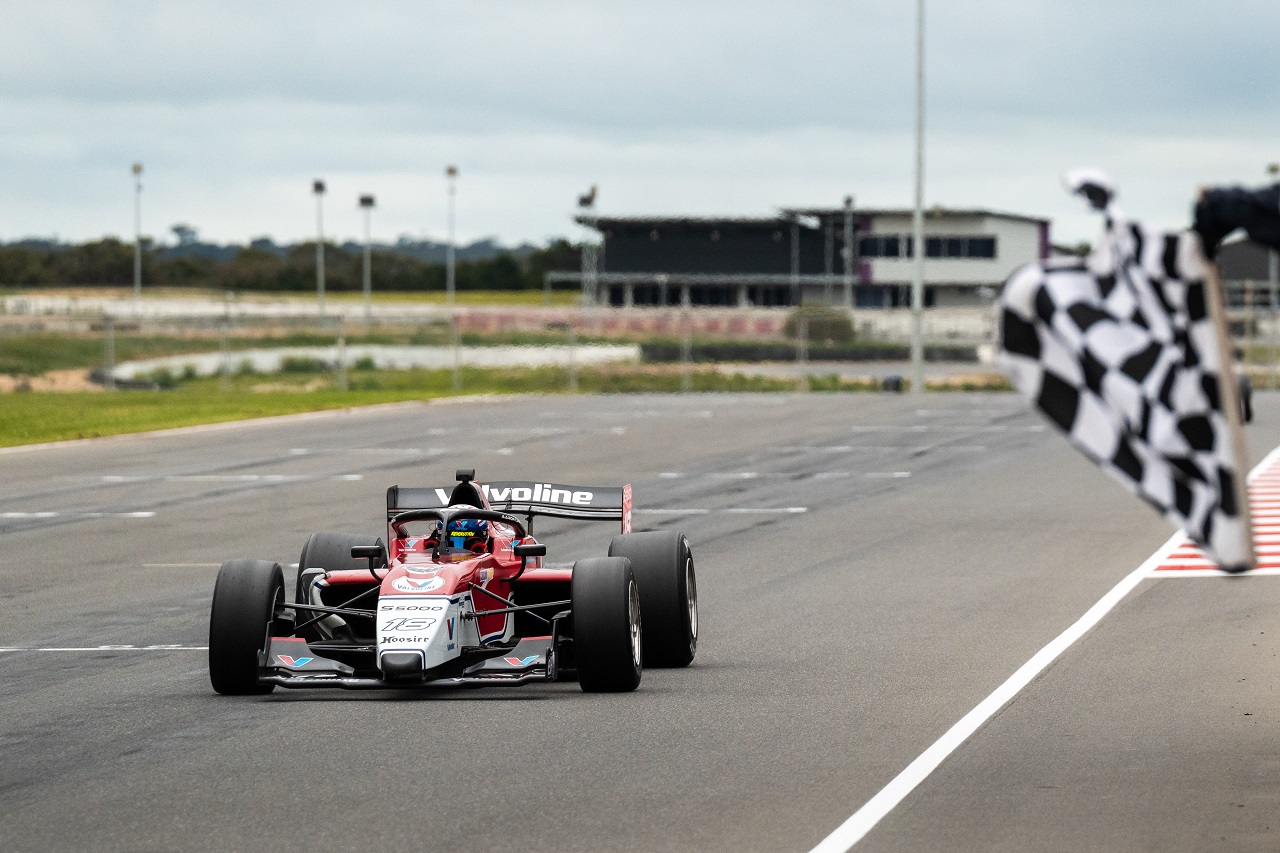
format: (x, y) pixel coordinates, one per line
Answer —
(469, 534)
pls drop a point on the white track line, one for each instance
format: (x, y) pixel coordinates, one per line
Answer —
(181, 565)
(732, 510)
(162, 648)
(228, 478)
(887, 798)
(50, 514)
(873, 811)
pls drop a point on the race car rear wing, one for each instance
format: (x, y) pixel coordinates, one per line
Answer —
(555, 500)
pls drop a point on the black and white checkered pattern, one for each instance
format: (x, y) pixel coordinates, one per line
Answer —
(1120, 353)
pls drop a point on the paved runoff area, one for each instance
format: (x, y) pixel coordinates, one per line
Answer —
(926, 624)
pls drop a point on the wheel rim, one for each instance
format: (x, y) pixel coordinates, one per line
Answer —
(633, 611)
(691, 589)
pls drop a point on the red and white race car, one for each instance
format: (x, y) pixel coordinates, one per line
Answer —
(459, 596)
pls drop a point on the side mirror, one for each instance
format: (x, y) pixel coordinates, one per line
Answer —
(373, 553)
(531, 550)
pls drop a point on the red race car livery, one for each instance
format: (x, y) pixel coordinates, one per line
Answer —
(458, 596)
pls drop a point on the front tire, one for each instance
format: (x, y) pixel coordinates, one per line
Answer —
(245, 598)
(331, 552)
(607, 639)
(663, 564)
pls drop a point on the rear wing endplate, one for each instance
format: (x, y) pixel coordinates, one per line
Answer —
(555, 500)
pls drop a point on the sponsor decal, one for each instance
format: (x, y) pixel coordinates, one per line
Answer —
(395, 640)
(486, 575)
(408, 623)
(450, 647)
(539, 493)
(449, 625)
(429, 608)
(521, 661)
(417, 585)
(290, 660)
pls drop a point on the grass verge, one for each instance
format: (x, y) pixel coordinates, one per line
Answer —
(35, 417)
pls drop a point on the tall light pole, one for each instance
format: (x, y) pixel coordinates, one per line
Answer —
(450, 283)
(917, 219)
(137, 231)
(848, 252)
(366, 204)
(590, 257)
(317, 187)
(1273, 278)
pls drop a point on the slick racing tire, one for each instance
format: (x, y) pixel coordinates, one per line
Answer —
(663, 564)
(331, 552)
(606, 625)
(245, 598)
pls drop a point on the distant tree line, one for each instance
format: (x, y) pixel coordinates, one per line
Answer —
(263, 265)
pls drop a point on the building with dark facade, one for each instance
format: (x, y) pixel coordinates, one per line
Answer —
(799, 256)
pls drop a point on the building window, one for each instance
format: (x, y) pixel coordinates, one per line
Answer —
(900, 246)
(982, 247)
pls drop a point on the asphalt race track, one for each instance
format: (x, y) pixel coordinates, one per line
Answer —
(870, 569)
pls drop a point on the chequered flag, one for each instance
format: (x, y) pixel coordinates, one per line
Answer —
(1121, 354)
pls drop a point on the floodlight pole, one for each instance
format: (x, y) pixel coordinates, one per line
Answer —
(1273, 277)
(137, 231)
(917, 219)
(317, 187)
(450, 283)
(366, 204)
(848, 252)
(590, 253)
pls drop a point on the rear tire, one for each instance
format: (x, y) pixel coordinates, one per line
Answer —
(607, 639)
(663, 565)
(245, 598)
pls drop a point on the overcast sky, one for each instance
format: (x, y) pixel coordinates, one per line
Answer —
(700, 107)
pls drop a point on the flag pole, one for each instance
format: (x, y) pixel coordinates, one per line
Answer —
(1229, 395)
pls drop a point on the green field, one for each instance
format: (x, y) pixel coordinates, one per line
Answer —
(33, 417)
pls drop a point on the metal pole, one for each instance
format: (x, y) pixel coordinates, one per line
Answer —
(317, 187)
(450, 172)
(917, 219)
(109, 323)
(366, 204)
(137, 231)
(342, 353)
(686, 341)
(802, 325)
(1273, 278)
(224, 371)
(573, 354)
(828, 260)
(457, 355)
(848, 252)
(590, 258)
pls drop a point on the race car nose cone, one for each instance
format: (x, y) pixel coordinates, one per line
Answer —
(401, 664)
